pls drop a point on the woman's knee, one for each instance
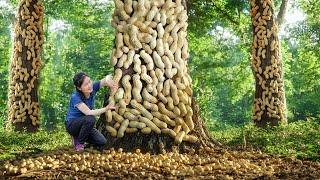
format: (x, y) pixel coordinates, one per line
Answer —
(104, 140)
(100, 139)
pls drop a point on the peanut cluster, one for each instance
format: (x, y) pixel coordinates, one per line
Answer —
(151, 40)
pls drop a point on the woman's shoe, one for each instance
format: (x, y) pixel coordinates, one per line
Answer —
(79, 147)
(75, 141)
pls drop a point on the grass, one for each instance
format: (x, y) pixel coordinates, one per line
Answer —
(14, 144)
(300, 139)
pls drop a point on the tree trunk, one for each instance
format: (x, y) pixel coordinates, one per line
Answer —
(156, 109)
(269, 104)
(25, 65)
(282, 12)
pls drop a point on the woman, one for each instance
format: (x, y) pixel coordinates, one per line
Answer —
(80, 118)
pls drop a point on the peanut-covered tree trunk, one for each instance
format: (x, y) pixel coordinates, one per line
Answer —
(156, 109)
(269, 103)
(25, 65)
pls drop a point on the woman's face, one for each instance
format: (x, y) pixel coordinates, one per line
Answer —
(86, 86)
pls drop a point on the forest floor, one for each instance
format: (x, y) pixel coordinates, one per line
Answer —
(217, 163)
(285, 152)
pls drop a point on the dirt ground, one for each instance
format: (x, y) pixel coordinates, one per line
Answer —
(205, 164)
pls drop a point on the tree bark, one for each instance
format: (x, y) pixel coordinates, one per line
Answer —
(269, 104)
(23, 104)
(156, 110)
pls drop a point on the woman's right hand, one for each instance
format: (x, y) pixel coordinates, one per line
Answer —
(110, 107)
(111, 83)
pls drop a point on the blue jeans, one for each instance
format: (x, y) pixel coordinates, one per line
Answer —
(83, 128)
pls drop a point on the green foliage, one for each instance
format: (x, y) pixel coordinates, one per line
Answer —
(204, 15)
(6, 19)
(302, 55)
(222, 79)
(300, 139)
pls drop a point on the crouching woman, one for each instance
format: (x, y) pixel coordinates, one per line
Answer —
(80, 119)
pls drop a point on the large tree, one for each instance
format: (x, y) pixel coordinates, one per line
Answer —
(25, 65)
(269, 103)
(156, 108)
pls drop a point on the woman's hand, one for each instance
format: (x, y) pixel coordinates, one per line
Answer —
(110, 107)
(111, 83)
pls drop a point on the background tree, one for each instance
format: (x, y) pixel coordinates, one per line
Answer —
(269, 102)
(25, 66)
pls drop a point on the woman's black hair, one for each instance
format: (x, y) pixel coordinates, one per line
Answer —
(77, 81)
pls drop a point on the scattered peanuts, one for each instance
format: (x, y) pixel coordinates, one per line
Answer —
(207, 163)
